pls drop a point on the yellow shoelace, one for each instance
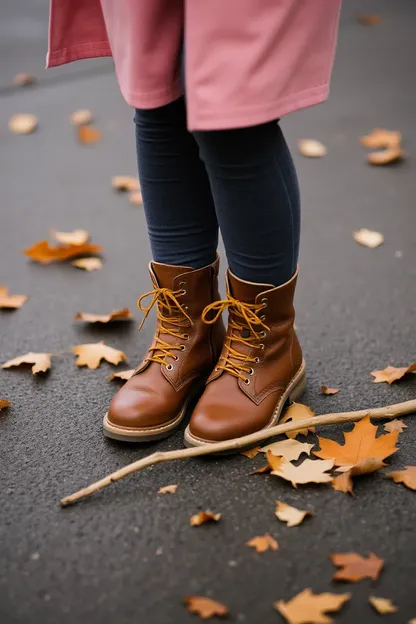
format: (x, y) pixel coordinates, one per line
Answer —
(233, 361)
(167, 302)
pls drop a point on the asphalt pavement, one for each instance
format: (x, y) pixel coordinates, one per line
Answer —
(128, 555)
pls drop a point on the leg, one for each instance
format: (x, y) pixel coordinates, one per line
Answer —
(177, 197)
(256, 193)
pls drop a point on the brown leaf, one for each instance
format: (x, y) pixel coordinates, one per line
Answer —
(263, 542)
(354, 567)
(205, 607)
(77, 237)
(406, 476)
(125, 183)
(290, 515)
(343, 483)
(326, 390)
(81, 117)
(23, 80)
(391, 374)
(386, 156)
(368, 238)
(136, 198)
(11, 302)
(88, 134)
(115, 315)
(88, 264)
(309, 471)
(4, 404)
(382, 605)
(312, 148)
(23, 123)
(310, 608)
(251, 453)
(395, 425)
(380, 137)
(204, 516)
(294, 413)
(45, 254)
(125, 375)
(91, 354)
(289, 449)
(41, 362)
(261, 470)
(369, 19)
(360, 443)
(168, 489)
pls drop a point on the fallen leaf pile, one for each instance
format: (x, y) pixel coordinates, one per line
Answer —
(11, 302)
(262, 543)
(205, 607)
(310, 608)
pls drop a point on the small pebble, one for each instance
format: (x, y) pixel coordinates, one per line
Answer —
(35, 556)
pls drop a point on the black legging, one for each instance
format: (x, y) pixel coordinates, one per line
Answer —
(242, 179)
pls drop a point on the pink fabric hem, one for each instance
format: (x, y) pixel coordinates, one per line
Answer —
(153, 99)
(77, 53)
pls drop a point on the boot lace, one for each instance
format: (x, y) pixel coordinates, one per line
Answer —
(242, 316)
(167, 322)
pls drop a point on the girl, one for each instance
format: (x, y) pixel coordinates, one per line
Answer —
(211, 155)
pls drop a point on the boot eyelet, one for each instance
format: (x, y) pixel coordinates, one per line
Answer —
(182, 347)
(247, 381)
(257, 360)
(185, 336)
(263, 334)
(261, 345)
(169, 367)
(182, 284)
(175, 357)
(185, 307)
(264, 301)
(263, 317)
(251, 371)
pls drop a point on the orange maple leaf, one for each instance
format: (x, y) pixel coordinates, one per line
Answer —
(354, 567)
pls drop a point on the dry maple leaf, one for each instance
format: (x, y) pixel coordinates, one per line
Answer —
(125, 183)
(290, 515)
(354, 567)
(406, 476)
(391, 374)
(310, 608)
(289, 449)
(23, 80)
(116, 315)
(369, 19)
(382, 605)
(23, 123)
(168, 489)
(380, 137)
(4, 404)
(343, 483)
(327, 390)
(77, 237)
(360, 443)
(205, 607)
(294, 413)
(45, 254)
(395, 425)
(386, 156)
(87, 135)
(136, 198)
(251, 453)
(41, 362)
(204, 516)
(91, 354)
(81, 117)
(124, 375)
(309, 471)
(88, 264)
(263, 542)
(368, 238)
(311, 148)
(11, 302)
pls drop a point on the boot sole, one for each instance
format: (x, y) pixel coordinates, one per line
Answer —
(294, 390)
(149, 434)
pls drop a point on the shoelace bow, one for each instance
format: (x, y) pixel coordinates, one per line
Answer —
(235, 362)
(167, 302)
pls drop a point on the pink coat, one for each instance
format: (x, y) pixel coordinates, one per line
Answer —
(246, 61)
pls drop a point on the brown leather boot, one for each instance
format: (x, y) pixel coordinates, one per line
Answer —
(260, 367)
(183, 353)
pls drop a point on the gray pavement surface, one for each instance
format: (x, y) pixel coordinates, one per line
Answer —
(96, 562)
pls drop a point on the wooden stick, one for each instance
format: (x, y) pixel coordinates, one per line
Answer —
(389, 411)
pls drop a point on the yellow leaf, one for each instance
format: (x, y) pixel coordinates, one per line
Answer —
(380, 137)
(343, 483)
(88, 264)
(251, 453)
(23, 123)
(91, 354)
(81, 117)
(263, 542)
(125, 375)
(360, 443)
(290, 515)
(326, 390)
(406, 476)
(125, 183)
(41, 362)
(312, 148)
(382, 605)
(310, 608)
(354, 567)
(391, 373)
(205, 607)
(115, 315)
(88, 134)
(309, 471)
(4, 404)
(395, 425)
(295, 413)
(204, 516)
(168, 489)
(289, 449)
(77, 237)
(45, 254)
(368, 238)
(11, 302)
